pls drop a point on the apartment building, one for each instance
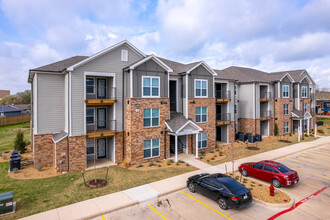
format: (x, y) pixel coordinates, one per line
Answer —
(121, 104)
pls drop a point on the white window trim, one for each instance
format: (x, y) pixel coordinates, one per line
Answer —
(151, 140)
(151, 96)
(201, 115)
(302, 92)
(283, 91)
(286, 128)
(285, 109)
(151, 118)
(123, 57)
(202, 140)
(94, 80)
(201, 96)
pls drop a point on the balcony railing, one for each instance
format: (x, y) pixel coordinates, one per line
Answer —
(100, 125)
(223, 117)
(100, 92)
(266, 95)
(219, 94)
(266, 114)
(313, 110)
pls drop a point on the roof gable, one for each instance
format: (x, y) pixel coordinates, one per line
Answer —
(286, 76)
(202, 63)
(151, 57)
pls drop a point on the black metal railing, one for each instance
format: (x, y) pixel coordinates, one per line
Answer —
(101, 125)
(219, 94)
(266, 95)
(266, 114)
(100, 92)
(223, 116)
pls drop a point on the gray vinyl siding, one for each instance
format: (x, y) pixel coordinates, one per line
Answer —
(231, 102)
(150, 68)
(107, 63)
(286, 81)
(51, 104)
(35, 105)
(200, 73)
(246, 99)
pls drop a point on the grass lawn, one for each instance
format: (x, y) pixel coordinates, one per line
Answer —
(8, 134)
(240, 151)
(325, 129)
(34, 196)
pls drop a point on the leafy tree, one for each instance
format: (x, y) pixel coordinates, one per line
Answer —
(19, 142)
(19, 98)
(276, 129)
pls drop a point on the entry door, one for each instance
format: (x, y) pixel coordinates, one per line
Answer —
(173, 95)
(101, 148)
(101, 84)
(101, 117)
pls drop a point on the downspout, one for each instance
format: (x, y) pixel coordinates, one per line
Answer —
(69, 123)
(274, 107)
(255, 108)
(123, 114)
(165, 143)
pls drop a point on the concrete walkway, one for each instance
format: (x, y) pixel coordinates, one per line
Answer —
(109, 203)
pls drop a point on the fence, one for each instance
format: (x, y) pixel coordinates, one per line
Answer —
(9, 120)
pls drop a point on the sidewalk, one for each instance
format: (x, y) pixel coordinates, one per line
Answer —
(109, 203)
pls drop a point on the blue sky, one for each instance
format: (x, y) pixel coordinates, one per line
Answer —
(267, 35)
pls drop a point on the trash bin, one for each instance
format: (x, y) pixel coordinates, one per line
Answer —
(246, 137)
(15, 156)
(16, 152)
(14, 163)
(6, 202)
(241, 137)
(251, 138)
(258, 137)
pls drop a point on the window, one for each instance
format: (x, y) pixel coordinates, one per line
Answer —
(235, 90)
(202, 140)
(124, 55)
(305, 124)
(258, 166)
(90, 146)
(282, 168)
(200, 88)
(268, 168)
(305, 107)
(201, 114)
(150, 86)
(286, 127)
(89, 85)
(150, 117)
(151, 148)
(206, 181)
(304, 91)
(89, 116)
(235, 108)
(286, 109)
(285, 91)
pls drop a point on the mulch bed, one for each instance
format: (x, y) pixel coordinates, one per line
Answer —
(96, 183)
(285, 141)
(253, 148)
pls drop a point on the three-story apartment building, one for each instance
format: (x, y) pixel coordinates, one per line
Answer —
(121, 104)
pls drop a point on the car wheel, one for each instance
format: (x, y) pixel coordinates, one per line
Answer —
(223, 204)
(244, 173)
(276, 183)
(191, 187)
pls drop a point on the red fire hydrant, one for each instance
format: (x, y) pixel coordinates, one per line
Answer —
(271, 190)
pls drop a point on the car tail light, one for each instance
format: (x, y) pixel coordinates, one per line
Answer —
(234, 198)
(286, 177)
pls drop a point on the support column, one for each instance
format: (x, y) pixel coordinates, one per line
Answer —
(197, 145)
(176, 148)
(299, 130)
(308, 126)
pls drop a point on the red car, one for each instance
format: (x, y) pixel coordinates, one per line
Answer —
(270, 171)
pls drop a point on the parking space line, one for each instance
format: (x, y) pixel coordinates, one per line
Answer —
(102, 217)
(304, 155)
(157, 212)
(310, 173)
(313, 186)
(205, 205)
(287, 158)
(319, 152)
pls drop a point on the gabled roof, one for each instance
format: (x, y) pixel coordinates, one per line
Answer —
(179, 122)
(61, 65)
(205, 66)
(243, 74)
(71, 68)
(9, 108)
(154, 58)
(57, 137)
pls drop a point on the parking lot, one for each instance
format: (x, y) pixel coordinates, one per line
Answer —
(314, 171)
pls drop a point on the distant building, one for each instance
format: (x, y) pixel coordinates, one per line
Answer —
(26, 108)
(8, 110)
(322, 98)
(3, 93)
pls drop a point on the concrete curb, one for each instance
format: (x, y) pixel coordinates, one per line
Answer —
(94, 215)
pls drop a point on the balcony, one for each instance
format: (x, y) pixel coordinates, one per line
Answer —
(100, 128)
(100, 95)
(265, 96)
(222, 96)
(265, 115)
(223, 119)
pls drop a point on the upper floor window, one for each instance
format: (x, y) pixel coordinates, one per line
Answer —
(286, 127)
(150, 117)
(201, 114)
(90, 85)
(202, 140)
(89, 116)
(235, 90)
(200, 88)
(285, 91)
(124, 55)
(304, 91)
(150, 87)
(151, 148)
(286, 109)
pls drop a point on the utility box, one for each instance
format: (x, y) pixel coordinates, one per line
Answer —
(7, 204)
(15, 163)
(258, 137)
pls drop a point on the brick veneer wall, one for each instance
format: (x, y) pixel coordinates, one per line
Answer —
(136, 133)
(61, 154)
(231, 131)
(210, 125)
(119, 147)
(249, 125)
(43, 150)
(77, 153)
(279, 114)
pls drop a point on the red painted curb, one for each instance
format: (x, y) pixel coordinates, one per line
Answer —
(297, 204)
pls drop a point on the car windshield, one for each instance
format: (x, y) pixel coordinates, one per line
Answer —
(283, 169)
(232, 185)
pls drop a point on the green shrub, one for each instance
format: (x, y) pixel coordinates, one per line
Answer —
(311, 135)
(159, 165)
(306, 135)
(212, 158)
(220, 153)
(171, 161)
(236, 177)
(252, 185)
(320, 131)
(211, 151)
(251, 189)
(202, 153)
(19, 143)
(260, 185)
(187, 164)
(168, 163)
(138, 166)
(217, 150)
(6, 152)
(290, 134)
(151, 164)
(177, 163)
(276, 129)
(201, 157)
(39, 167)
(181, 161)
(208, 161)
(158, 161)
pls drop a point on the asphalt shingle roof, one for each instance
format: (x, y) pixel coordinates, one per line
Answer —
(61, 65)
(295, 74)
(9, 108)
(178, 67)
(243, 74)
(177, 121)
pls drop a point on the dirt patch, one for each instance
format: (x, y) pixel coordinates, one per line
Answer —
(30, 172)
(96, 183)
(212, 155)
(5, 157)
(164, 203)
(159, 164)
(261, 191)
(253, 148)
(285, 141)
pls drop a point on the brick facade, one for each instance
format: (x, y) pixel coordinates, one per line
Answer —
(43, 150)
(249, 125)
(119, 147)
(136, 133)
(61, 154)
(77, 153)
(280, 118)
